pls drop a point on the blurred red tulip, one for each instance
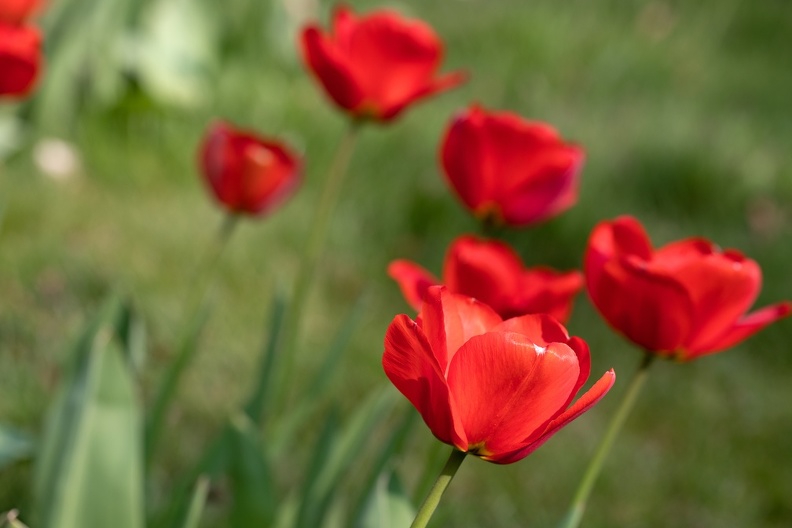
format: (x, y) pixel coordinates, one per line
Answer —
(20, 59)
(376, 65)
(495, 389)
(684, 300)
(15, 12)
(493, 273)
(508, 170)
(247, 174)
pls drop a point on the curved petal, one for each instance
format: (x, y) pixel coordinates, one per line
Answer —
(612, 240)
(466, 161)
(413, 280)
(331, 69)
(505, 387)
(541, 329)
(432, 86)
(652, 310)
(20, 59)
(722, 287)
(410, 365)
(583, 404)
(490, 271)
(15, 12)
(449, 320)
(548, 186)
(545, 290)
(741, 330)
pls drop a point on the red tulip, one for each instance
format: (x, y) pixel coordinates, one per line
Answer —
(684, 300)
(15, 12)
(493, 273)
(247, 174)
(508, 170)
(495, 389)
(20, 59)
(376, 65)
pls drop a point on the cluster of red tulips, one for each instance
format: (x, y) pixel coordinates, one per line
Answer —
(487, 361)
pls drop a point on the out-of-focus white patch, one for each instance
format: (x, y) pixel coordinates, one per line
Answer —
(56, 158)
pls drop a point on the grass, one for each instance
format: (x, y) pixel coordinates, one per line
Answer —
(683, 110)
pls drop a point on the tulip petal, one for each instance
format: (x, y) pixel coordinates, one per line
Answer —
(331, 68)
(583, 404)
(487, 270)
(413, 280)
(466, 161)
(20, 58)
(544, 290)
(742, 329)
(547, 183)
(410, 365)
(449, 320)
(651, 309)
(505, 387)
(612, 240)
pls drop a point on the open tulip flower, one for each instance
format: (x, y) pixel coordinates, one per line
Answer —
(20, 59)
(492, 388)
(375, 66)
(247, 174)
(508, 170)
(492, 272)
(684, 300)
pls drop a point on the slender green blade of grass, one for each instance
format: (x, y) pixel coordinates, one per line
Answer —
(197, 503)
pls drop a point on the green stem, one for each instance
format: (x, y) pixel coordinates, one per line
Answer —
(195, 308)
(578, 505)
(313, 249)
(436, 493)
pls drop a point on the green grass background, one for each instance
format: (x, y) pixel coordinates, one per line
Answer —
(684, 111)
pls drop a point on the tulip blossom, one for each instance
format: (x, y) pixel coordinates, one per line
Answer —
(20, 59)
(15, 12)
(508, 170)
(492, 388)
(493, 273)
(246, 173)
(376, 65)
(684, 300)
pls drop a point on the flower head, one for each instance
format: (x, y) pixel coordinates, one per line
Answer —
(20, 59)
(247, 174)
(685, 300)
(492, 272)
(496, 389)
(507, 170)
(376, 65)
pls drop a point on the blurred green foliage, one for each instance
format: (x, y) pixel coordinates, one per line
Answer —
(683, 108)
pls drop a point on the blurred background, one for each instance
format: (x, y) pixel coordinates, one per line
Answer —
(684, 111)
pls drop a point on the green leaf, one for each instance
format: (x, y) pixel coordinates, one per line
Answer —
(185, 354)
(338, 452)
(15, 446)
(389, 505)
(251, 477)
(90, 471)
(197, 503)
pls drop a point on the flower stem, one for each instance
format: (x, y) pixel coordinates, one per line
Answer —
(313, 249)
(436, 493)
(578, 505)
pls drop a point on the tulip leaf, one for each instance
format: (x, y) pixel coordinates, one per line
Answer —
(389, 505)
(251, 477)
(261, 397)
(89, 471)
(15, 446)
(384, 457)
(314, 391)
(336, 454)
(197, 503)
